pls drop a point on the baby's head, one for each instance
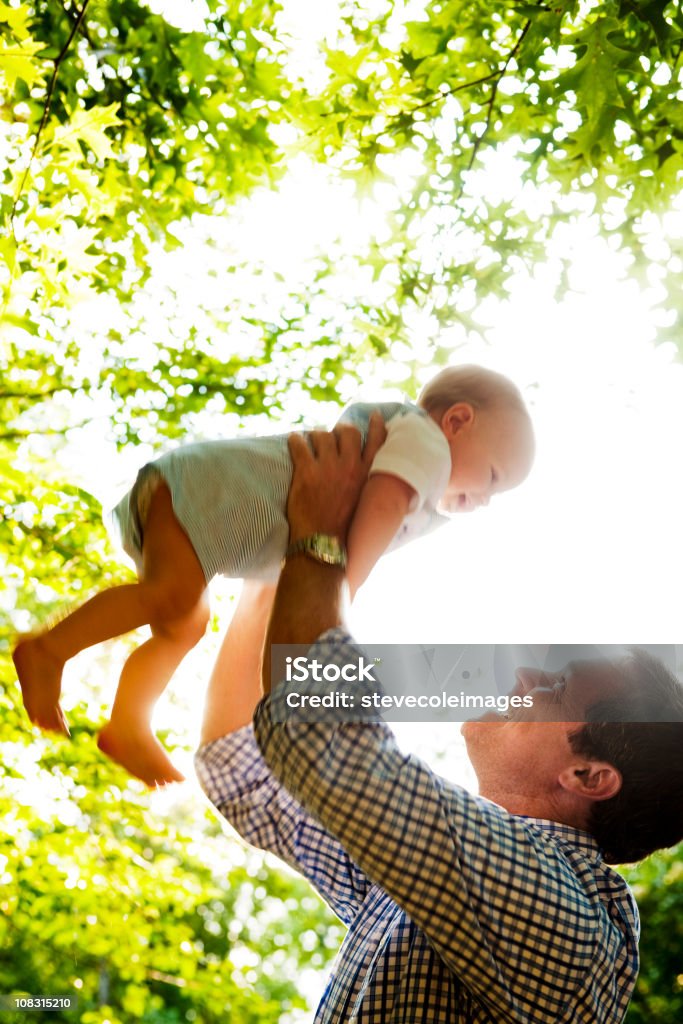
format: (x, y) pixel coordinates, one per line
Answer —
(485, 421)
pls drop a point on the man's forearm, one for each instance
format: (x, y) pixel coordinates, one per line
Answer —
(311, 598)
(234, 685)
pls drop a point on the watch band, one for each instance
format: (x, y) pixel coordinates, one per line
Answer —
(322, 547)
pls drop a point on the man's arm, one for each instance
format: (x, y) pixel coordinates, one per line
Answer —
(234, 776)
(384, 503)
(239, 783)
(234, 689)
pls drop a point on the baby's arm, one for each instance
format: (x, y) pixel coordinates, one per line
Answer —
(384, 502)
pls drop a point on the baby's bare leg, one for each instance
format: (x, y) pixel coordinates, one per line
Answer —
(39, 660)
(127, 737)
(172, 571)
(169, 592)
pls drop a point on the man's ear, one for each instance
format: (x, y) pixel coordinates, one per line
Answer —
(594, 780)
(456, 417)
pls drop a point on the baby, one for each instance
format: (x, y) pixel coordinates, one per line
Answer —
(219, 507)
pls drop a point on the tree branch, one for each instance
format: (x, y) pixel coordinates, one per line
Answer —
(36, 396)
(457, 88)
(492, 99)
(494, 76)
(491, 103)
(21, 435)
(154, 96)
(48, 103)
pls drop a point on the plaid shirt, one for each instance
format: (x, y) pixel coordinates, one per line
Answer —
(457, 911)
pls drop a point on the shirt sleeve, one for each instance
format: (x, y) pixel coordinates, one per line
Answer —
(236, 779)
(416, 451)
(499, 905)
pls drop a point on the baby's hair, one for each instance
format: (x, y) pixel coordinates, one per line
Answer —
(481, 388)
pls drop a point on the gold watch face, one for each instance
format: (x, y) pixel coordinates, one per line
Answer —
(322, 547)
(327, 549)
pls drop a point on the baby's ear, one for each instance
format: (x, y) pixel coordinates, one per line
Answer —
(457, 416)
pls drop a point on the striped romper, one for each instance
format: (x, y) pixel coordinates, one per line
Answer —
(230, 496)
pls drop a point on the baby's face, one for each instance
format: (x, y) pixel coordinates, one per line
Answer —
(491, 451)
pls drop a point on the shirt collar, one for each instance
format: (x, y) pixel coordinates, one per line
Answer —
(583, 841)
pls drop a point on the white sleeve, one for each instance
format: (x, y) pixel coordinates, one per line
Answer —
(416, 451)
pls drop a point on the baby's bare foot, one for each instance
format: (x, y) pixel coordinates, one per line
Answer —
(139, 752)
(40, 678)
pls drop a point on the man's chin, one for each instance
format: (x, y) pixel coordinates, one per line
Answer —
(488, 717)
(470, 728)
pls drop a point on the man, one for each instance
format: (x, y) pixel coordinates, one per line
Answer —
(497, 908)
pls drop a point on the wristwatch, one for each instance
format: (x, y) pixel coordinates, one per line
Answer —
(322, 547)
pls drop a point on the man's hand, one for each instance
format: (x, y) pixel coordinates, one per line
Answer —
(330, 470)
(328, 478)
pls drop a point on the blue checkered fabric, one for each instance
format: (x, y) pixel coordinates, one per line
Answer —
(457, 911)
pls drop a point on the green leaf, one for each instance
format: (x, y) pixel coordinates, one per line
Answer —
(17, 61)
(88, 126)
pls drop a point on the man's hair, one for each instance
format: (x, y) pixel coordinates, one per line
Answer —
(641, 734)
(481, 388)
